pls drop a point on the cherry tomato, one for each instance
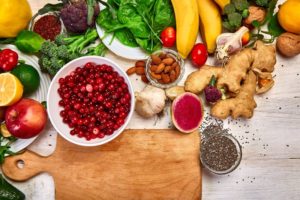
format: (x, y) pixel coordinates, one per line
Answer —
(8, 59)
(168, 37)
(199, 55)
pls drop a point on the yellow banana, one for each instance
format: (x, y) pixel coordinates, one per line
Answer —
(210, 23)
(222, 3)
(187, 24)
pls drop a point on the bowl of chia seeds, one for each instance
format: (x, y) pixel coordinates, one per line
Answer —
(220, 153)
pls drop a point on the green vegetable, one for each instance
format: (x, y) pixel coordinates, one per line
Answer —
(240, 4)
(274, 27)
(137, 22)
(29, 42)
(229, 8)
(5, 146)
(54, 55)
(235, 19)
(9, 192)
(262, 2)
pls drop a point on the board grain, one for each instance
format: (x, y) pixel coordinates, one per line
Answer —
(139, 164)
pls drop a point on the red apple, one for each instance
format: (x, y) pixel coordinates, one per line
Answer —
(25, 119)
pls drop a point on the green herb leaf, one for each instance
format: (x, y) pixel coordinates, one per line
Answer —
(262, 3)
(255, 23)
(229, 8)
(274, 27)
(241, 4)
(235, 19)
(270, 11)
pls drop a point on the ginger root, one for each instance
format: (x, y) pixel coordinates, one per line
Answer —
(246, 73)
(242, 105)
(261, 57)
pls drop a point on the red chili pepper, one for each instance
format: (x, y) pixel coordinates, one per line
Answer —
(8, 59)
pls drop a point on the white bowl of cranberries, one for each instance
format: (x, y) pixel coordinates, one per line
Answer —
(90, 101)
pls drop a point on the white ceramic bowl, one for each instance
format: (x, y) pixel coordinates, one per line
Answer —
(54, 109)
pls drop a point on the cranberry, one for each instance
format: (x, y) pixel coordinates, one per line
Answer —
(95, 99)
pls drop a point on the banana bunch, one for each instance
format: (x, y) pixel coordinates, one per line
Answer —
(192, 13)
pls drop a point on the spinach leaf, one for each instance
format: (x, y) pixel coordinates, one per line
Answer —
(128, 15)
(106, 21)
(163, 15)
(126, 37)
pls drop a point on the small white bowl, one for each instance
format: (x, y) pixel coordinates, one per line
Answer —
(54, 109)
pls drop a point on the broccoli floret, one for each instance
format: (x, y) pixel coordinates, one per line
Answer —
(56, 54)
(63, 52)
(48, 48)
(263, 3)
(44, 63)
(57, 63)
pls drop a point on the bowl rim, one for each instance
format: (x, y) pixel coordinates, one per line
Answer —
(237, 162)
(130, 88)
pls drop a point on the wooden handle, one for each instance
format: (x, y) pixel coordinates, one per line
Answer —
(24, 166)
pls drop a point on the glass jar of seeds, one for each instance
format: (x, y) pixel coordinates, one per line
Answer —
(221, 153)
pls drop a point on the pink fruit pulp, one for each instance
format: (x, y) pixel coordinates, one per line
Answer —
(187, 112)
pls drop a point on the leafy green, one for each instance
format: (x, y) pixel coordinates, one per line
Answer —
(5, 146)
(229, 8)
(235, 19)
(274, 27)
(29, 41)
(137, 22)
(126, 37)
(241, 4)
(262, 2)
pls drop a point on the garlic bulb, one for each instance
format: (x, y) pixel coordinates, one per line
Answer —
(150, 101)
(228, 43)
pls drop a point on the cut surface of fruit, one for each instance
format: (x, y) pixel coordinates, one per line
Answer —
(11, 89)
(187, 112)
(4, 131)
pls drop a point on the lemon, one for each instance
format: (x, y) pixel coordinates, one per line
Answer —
(4, 131)
(14, 17)
(28, 76)
(289, 16)
(11, 89)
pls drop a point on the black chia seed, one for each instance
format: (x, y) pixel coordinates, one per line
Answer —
(219, 152)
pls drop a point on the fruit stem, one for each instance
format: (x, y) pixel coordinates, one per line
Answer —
(212, 81)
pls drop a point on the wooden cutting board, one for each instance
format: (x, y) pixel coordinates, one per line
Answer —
(137, 165)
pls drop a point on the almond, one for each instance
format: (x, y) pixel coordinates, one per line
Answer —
(168, 61)
(177, 70)
(173, 75)
(160, 68)
(131, 70)
(174, 65)
(167, 69)
(153, 68)
(155, 76)
(140, 70)
(162, 55)
(155, 59)
(140, 63)
(165, 78)
(144, 79)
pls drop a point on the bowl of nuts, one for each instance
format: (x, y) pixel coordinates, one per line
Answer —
(164, 68)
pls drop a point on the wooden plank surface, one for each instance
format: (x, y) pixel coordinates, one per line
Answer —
(138, 164)
(270, 168)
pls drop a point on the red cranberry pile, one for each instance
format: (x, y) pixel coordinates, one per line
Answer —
(95, 99)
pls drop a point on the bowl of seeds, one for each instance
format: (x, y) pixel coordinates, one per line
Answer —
(220, 153)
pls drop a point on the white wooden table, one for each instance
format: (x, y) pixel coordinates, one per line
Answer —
(270, 167)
